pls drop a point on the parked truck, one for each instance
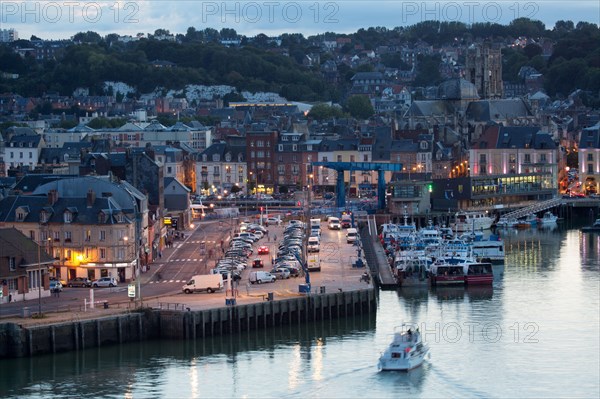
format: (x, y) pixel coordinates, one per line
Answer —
(313, 263)
(204, 282)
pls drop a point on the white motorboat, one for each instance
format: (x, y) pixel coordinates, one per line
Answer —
(548, 219)
(406, 351)
(472, 221)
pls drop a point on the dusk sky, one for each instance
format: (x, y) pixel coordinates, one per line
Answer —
(63, 18)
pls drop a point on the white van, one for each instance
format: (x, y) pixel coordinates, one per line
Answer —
(313, 263)
(351, 235)
(262, 277)
(204, 282)
(315, 223)
(313, 244)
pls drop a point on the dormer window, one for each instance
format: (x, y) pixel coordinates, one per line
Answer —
(204, 157)
(295, 138)
(20, 215)
(121, 218)
(44, 217)
(101, 217)
(216, 158)
(424, 145)
(68, 217)
(228, 157)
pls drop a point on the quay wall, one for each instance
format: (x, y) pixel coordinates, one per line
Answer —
(20, 341)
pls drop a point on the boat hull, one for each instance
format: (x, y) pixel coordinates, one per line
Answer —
(448, 280)
(483, 279)
(401, 364)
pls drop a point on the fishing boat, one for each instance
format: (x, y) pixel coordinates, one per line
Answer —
(489, 250)
(407, 351)
(593, 228)
(471, 221)
(478, 273)
(412, 269)
(444, 273)
(474, 271)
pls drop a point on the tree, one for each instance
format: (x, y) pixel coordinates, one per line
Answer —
(323, 111)
(87, 37)
(232, 97)
(360, 107)
(428, 70)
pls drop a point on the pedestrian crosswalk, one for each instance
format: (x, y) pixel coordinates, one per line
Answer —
(167, 281)
(186, 260)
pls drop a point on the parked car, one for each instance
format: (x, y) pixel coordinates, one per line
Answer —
(105, 282)
(281, 273)
(79, 282)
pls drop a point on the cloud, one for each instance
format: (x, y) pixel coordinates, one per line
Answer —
(64, 18)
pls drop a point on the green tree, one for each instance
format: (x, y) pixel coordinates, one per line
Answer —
(428, 70)
(87, 37)
(324, 111)
(232, 97)
(359, 107)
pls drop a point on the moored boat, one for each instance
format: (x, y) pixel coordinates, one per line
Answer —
(472, 221)
(412, 269)
(443, 273)
(548, 219)
(479, 273)
(593, 228)
(489, 250)
(407, 351)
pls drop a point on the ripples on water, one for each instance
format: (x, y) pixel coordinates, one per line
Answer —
(535, 333)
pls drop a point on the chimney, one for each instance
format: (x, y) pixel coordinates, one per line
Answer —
(52, 197)
(90, 198)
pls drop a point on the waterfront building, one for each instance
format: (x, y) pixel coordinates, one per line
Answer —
(90, 226)
(589, 159)
(23, 267)
(506, 165)
(221, 167)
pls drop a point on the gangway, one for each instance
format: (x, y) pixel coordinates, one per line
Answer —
(535, 208)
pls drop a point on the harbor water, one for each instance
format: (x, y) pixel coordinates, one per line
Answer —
(534, 333)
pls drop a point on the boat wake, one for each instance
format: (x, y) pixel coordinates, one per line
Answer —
(451, 382)
(301, 392)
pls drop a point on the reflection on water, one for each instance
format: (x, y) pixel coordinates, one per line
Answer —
(111, 370)
(486, 341)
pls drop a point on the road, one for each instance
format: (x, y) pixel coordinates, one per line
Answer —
(187, 258)
(175, 268)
